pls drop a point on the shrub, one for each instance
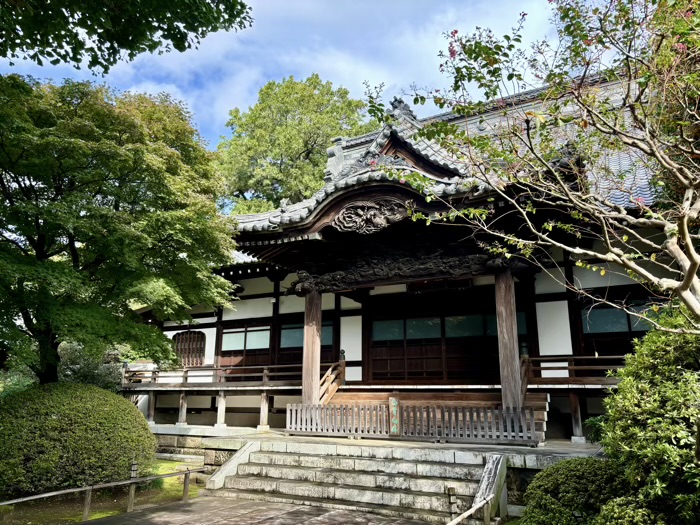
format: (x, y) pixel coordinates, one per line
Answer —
(68, 435)
(650, 429)
(627, 511)
(571, 492)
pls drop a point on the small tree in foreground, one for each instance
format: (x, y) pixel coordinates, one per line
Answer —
(603, 164)
(651, 428)
(109, 202)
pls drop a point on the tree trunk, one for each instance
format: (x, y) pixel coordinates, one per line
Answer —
(48, 358)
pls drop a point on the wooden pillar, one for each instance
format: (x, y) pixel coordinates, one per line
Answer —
(311, 362)
(264, 411)
(151, 410)
(576, 424)
(508, 354)
(221, 410)
(182, 416)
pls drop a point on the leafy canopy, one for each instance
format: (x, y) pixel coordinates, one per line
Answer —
(104, 31)
(278, 147)
(601, 161)
(109, 202)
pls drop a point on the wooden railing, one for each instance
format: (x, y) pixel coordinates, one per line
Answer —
(573, 369)
(491, 494)
(524, 377)
(454, 423)
(332, 380)
(130, 482)
(285, 375)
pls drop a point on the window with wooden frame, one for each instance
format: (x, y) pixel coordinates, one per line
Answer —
(189, 347)
(455, 349)
(610, 331)
(292, 343)
(247, 345)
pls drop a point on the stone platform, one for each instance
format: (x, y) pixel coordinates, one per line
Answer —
(220, 511)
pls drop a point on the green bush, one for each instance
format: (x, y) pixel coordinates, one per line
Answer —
(69, 435)
(626, 511)
(650, 428)
(571, 492)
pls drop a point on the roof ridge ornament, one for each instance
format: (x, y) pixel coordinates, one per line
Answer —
(399, 106)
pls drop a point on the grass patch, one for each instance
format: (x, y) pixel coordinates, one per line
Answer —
(69, 509)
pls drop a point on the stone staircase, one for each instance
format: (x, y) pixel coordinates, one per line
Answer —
(411, 482)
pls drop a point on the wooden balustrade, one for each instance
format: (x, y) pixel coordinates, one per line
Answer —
(454, 423)
(574, 370)
(331, 382)
(284, 375)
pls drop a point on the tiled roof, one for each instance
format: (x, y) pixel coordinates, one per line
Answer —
(357, 162)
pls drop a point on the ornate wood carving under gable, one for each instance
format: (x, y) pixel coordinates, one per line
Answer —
(369, 216)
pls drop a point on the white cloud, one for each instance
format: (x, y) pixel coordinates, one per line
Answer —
(345, 42)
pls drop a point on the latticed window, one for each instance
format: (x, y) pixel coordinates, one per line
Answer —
(189, 346)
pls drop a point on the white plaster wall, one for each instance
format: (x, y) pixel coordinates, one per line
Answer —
(349, 304)
(483, 280)
(256, 286)
(287, 281)
(351, 337)
(243, 401)
(248, 309)
(551, 282)
(291, 304)
(392, 288)
(353, 373)
(554, 333)
(328, 301)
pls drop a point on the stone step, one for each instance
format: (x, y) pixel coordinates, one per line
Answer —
(377, 496)
(361, 479)
(407, 453)
(424, 516)
(389, 466)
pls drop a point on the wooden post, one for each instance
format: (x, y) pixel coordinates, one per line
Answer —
(182, 416)
(132, 487)
(86, 505)
(221, 410)
(151, 412)
(186, 487)
(311, 362)
(577, 427)
(508, 354)
(264, 410)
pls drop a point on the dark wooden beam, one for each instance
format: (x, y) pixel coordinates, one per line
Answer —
(508, 354)
(311, 362)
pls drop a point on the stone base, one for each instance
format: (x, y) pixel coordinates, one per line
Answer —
(263, 428)
(578, 440)
(220, 425)
(180, 424)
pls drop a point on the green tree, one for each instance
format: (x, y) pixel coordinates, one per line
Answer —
(109, 201)
(614, 101)
(105, 31)
(278, 147)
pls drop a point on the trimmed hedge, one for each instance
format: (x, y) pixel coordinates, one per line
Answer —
(69, 435)
(627, 511)
(572, 492)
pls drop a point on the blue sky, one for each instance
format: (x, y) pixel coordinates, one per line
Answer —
(346, 42)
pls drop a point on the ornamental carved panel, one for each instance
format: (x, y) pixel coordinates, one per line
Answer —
(369, 216)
